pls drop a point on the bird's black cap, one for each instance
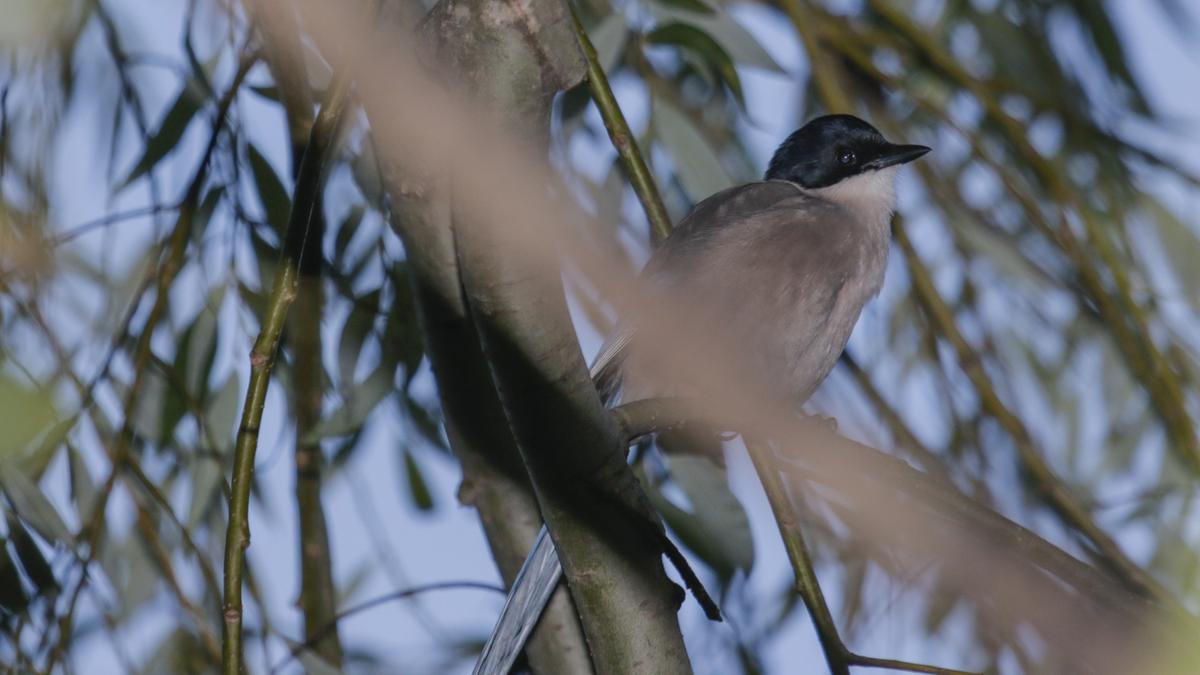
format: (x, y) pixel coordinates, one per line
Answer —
(834, 147)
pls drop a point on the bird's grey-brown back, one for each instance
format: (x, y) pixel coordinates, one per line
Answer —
(783, 266)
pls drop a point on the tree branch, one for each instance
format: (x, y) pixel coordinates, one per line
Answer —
(262, 357)
(622, 138)
(607, 535)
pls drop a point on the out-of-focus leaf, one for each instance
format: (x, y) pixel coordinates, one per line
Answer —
(852, 592)
(418, 489)
(206, 485)
(83, 489)
(195, 360)
(166, 138)
(274, 197)
(147, 419)
(179, 652)
(426, 423)
(204, 211)
(703, 45)
(608, 37)
(25, 415)
(1180, 243)
(1094, 15)
(402, 336)
(32, 505)
(696, 163)
(12, 592)
(222, 413)
(355, 582)
(32, 560)
(697, 6)
(269, 92)
(941, 602)
(737, 41)
(716, 528)
(366, 171)
(360, 403)
(132, 571)
(345, 233)
(364, 310)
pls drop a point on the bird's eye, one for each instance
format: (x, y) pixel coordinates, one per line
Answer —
(847, 157)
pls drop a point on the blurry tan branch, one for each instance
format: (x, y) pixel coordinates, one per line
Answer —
(262, 357)
(622, 137)
(500, 194)
(813, 439)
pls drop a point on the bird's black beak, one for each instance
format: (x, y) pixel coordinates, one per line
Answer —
(891, 154)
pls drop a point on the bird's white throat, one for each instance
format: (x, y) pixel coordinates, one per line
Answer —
(871, 196)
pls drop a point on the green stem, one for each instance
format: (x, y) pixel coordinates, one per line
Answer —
(262, 357)
(622, 138)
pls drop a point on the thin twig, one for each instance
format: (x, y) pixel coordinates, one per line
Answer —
(262, 358)
(622, 138)
(321, 631)
(108, 219)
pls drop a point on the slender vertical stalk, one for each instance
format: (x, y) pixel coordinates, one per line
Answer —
(622, 138)
(262, 358)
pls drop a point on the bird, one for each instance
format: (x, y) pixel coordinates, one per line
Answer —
(788, 263)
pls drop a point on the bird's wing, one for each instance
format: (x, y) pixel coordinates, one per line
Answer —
(684, 250)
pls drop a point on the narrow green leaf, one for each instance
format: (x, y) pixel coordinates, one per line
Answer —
(427, 423)
(12, 592)
(32, 560)
(25, 415)
(737, 41)
(689, 5)
(716, 527)
(32, 505)
(83, 489)
(195, 360)
(402, 337)
(206, 486)
(359, 404)
(702, 45)
(608, 37)
(345, 234)
(418, 489)
(222, 413)
(167, 137)
(274, 196)
(696, 163)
